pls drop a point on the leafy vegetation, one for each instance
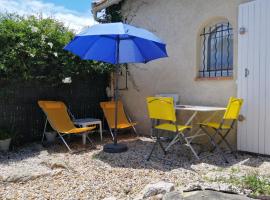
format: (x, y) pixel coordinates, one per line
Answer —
(259, 185)
(32, 48)
(113, 13)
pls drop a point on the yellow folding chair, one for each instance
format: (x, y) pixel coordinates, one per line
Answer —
(57, 115)
(123, 120)
(223, 128)
(162, 108)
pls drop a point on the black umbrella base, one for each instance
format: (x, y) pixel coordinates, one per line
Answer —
(115, 148)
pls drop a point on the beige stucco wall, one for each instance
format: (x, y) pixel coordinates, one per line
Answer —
(178, 23)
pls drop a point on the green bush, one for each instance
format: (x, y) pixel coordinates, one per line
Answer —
(32, 48)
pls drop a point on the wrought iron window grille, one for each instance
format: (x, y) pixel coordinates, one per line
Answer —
(217, 51)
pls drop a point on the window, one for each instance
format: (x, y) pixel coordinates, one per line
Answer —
(217, 51)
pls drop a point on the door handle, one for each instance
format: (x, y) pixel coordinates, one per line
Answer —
(246, 72)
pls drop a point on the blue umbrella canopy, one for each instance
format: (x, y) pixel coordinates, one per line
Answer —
(117, 43)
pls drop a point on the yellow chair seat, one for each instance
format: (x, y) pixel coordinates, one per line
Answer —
(215, 125)
(171, 127)
(79, 130)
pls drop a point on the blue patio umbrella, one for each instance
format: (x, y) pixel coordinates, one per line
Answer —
(117, 43)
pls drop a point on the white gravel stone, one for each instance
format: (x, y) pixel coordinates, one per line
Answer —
(53, 173)
(110, 198)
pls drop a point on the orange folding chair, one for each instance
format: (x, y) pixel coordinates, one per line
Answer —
(57, 115)
(123, 120)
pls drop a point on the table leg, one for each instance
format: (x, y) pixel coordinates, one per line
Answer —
(100, 130)
(191, 118)
(206, 120)
(210, 117)
(175, 140)
(84, 135)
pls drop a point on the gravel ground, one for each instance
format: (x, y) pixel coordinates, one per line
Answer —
(33, 172)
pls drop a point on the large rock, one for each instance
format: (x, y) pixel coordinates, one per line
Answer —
(33, 168)
(215, 186)
(23, 176)
(213, 195)
(158, 188)
(55, 163)
(193, 187)
(172, 196)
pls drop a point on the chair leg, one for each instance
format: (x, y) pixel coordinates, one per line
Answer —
(43, 135)
(44, 130)
(135, 131)
(111, 134)
(158, 141)
(161, 145)
(91, 142)
(212, 141)
(175, 140)
(65, 142)
(190, 146)
(223, 139)
(148, 158)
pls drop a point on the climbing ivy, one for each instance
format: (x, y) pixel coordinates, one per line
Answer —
(113, 13)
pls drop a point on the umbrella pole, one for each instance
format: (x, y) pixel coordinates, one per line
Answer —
(116, 96)
(116, 147)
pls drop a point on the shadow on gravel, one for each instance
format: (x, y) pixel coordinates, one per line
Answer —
(35, 149)
(179, 156)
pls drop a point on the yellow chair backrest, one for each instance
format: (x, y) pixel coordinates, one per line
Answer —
(56, 112)
(233, 109)
(109, 112)
(161, 108)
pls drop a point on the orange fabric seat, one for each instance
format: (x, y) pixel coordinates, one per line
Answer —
(124, 125)
(79, 130)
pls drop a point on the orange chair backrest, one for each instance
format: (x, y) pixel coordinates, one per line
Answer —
(57, 115)
(109, 112)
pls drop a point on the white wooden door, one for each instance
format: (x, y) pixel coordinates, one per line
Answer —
(254, 76)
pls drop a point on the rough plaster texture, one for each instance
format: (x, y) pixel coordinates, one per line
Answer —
(178, 23)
